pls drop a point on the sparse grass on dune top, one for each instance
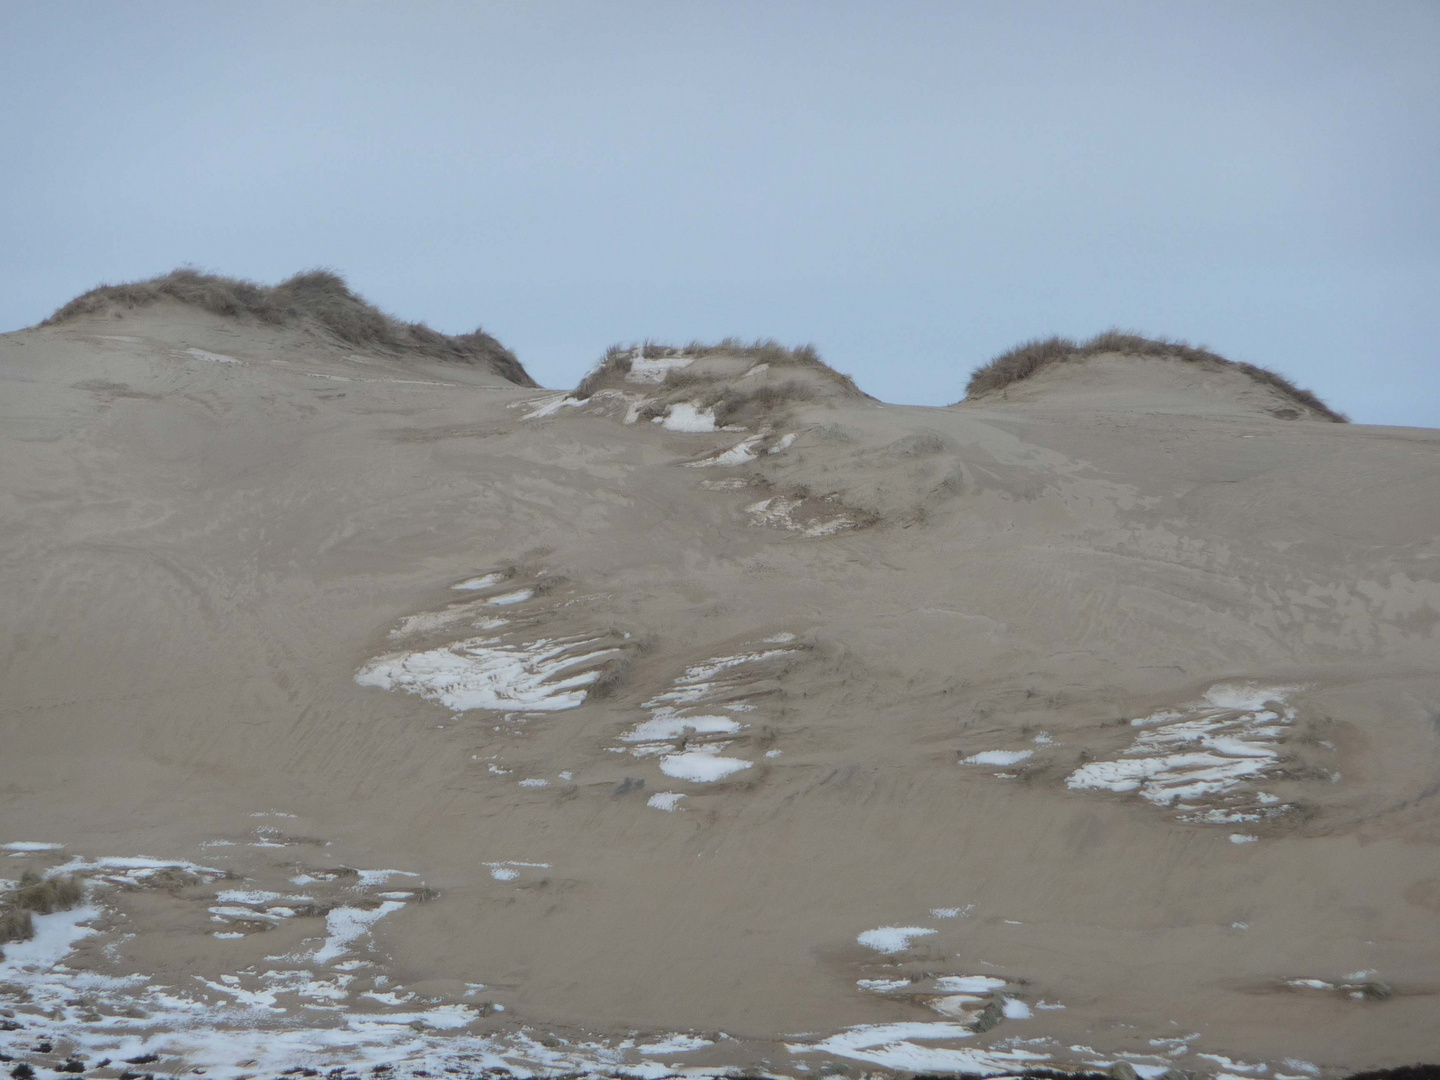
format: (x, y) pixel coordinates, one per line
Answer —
(618, 358)
(318, 295)
(1025, 360)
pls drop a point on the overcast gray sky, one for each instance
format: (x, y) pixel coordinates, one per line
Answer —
(912, 186)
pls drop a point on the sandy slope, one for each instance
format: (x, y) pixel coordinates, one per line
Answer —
(209, 530)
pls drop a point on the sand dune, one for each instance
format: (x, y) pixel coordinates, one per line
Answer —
(709, 715)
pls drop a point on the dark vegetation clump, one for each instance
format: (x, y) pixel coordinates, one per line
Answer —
(1025, 360)
(320, 296)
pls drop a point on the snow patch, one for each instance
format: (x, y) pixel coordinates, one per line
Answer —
(892, 939)
(999, 757)
(687, 417)
(702, 766)
(1207, 751)
(550, 406)
(486, 673)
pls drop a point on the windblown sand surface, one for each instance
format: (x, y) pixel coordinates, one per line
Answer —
(393, 714)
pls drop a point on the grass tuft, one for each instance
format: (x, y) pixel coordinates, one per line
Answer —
(1026, 359)
(320, 296)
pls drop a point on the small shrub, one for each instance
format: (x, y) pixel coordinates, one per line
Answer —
(16, 925)
(45, 897)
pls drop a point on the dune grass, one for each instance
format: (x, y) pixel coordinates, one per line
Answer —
(618, 358)
(320, 296)
(1026, 359)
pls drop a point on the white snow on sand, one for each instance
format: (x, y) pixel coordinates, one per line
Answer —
(22, 847)
(550, 406)
(685, 416)
(665, 725)
(486, 673)
(346, 925)
(896, 1046)
(999, 757)
(665, 800)
(778, 511)
(1210, 751)
(742, 453)
(55, 936)
(701, 766)
(892, 939)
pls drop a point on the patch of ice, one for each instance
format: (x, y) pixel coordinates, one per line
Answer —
(1242, 838)
(519, 596)
(346, 925)
(783, 443)
(550, 406)
(701, 766)
(685, 416)
(949, 912)
(214, 358)
(531, 781)
(486, 673)
(484, 581)
(21, 847)
(665, 800)
(773, 753)
(892, 939)
(999, 757)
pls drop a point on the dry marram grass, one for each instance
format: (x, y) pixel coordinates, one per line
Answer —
(1026, 359)
(318, 296)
